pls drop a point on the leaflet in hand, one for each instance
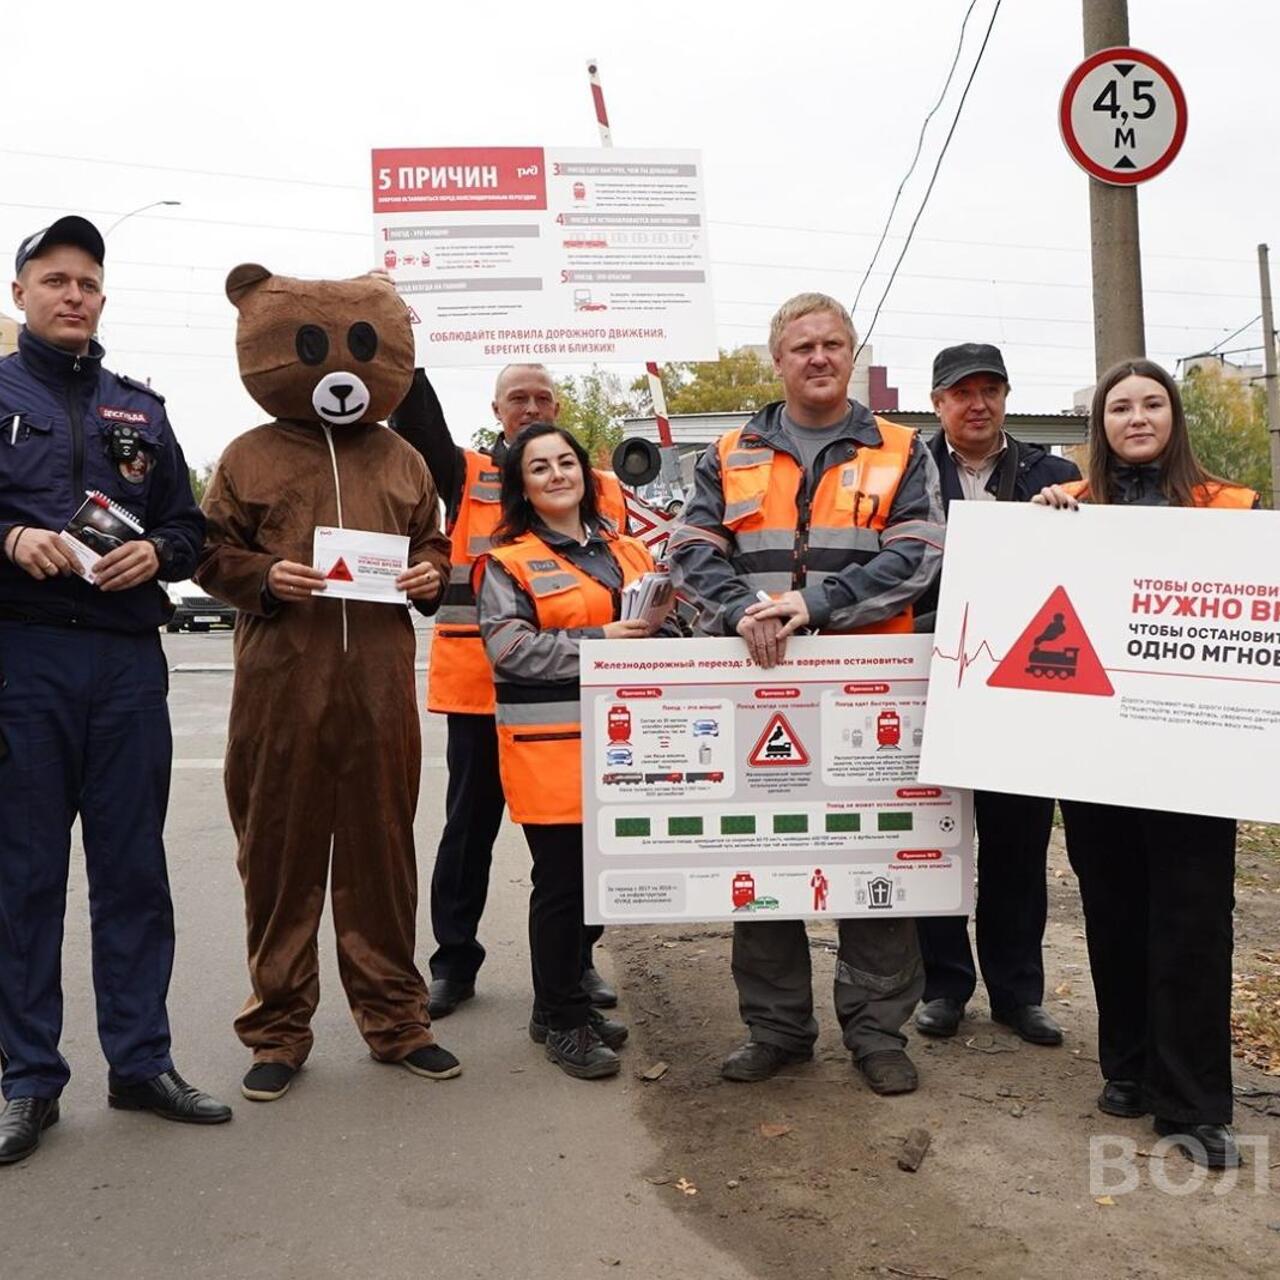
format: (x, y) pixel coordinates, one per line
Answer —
(648, 598)
(359, 565)
(99, 526)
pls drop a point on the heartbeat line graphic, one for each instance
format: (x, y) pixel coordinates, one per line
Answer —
(962, 659)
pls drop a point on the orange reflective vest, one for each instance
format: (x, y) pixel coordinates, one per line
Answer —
(540, 723)
(783, 541)
(1224, 495)
(458, 677)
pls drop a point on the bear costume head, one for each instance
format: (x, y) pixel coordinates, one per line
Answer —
(333, 351)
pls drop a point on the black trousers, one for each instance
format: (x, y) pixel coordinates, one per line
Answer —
(1158, 891)
(460, 880)
(556, 930)
(1009, 919)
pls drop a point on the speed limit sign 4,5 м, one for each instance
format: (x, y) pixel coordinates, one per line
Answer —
(1123, 116)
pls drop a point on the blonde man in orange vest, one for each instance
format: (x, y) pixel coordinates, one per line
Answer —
(835, 514)
(460, 681)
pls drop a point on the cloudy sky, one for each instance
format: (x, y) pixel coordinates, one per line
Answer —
(260, 118)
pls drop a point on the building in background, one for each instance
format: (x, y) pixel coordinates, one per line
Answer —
(8, 334)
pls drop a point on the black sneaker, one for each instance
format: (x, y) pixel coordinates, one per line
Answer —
(579, 1052)
(267, 1081)
(613, 1034)
(433, 1062)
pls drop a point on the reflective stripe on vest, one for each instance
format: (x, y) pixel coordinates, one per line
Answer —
(783, 542)
(1224, 496)
(539, 723)
(459, 678)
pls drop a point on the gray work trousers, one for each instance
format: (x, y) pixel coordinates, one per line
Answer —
(879, 979)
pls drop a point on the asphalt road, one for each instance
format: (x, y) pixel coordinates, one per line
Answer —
(512, 1170)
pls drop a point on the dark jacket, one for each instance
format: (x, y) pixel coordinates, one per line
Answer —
(57, 415)
(1036, 467)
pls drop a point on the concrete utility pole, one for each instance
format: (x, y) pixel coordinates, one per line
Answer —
(1118, 328)
(1272, 378)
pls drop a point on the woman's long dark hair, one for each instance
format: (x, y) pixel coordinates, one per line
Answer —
(1180, 471)
(517, 512)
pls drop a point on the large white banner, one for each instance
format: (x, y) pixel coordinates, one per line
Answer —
(714, 790)
(547, 254)
(1125, 655)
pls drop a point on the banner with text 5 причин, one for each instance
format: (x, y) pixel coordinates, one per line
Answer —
(546, 254)
(1125, 655)
(716, 790)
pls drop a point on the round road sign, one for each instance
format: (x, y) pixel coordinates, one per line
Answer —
(1123, 116)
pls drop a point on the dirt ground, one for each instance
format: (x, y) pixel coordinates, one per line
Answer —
(799, 1175)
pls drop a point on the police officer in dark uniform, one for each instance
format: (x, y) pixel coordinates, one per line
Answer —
(978, 461)
(84, 726)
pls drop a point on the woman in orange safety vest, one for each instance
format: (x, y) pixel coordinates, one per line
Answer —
(1157, 888)
(553, 578)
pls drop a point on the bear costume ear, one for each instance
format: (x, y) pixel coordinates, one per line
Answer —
(241, 279)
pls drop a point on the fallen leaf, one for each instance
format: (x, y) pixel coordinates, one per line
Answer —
(655, 1072)
(774, 1130)
(1106, 1202)
(687, 1187)
(1062, 989)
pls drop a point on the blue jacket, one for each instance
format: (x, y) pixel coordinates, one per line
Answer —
(57, 414)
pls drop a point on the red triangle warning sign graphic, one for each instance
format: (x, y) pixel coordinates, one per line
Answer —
(340, 572)
(414, 318)
(778, 745)
(1053, 655)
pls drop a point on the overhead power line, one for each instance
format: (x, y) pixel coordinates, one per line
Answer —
(933, 178)
(911, 168)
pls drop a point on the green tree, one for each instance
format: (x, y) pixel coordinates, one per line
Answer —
(200, 479)
(1227, 419)
(740, 380)
(592, 406)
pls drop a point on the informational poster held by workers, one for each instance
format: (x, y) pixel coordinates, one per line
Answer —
(716, 790)
(1124, 655)
(546, 254)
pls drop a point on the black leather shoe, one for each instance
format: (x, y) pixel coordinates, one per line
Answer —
(613, 1034)
(758, 1060)
(580, 1053)
(1122, 1098)
(600, 993)
(940, 1017)
(1212, 1145)
(432, 1061)
(1031, 1022)
(169, 1096)
(444, 996)
(889, 1071)
(21, 1124)
(267, 1081)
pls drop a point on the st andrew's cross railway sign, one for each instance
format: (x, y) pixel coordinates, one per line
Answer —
(1123, 116)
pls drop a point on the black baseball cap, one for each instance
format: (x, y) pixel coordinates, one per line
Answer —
(953, 363)
(69, 230)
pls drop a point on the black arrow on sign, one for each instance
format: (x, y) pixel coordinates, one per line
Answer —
(1124, 163)
(1124, 67)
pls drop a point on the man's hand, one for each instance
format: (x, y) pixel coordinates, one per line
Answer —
(420, 581)
(126, 566)
(790, 605)
(632, 629)
(288, 580)
(765, 639)
(41, 553)
(1054, 495)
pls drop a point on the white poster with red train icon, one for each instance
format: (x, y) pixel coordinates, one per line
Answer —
(715, 790)
(546, 254)
(1125, 655)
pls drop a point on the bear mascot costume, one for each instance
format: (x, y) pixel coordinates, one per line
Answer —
(323, 745)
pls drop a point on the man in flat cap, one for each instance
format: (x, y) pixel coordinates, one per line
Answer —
(978, 461)
(84, 725)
